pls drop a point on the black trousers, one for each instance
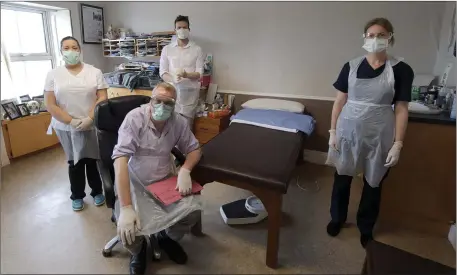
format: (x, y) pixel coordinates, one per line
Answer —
(369, 203)
(78, 172)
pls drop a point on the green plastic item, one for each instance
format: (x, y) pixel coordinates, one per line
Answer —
(415, 93)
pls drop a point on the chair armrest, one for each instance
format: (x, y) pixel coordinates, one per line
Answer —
(108, 184)
(180, 158)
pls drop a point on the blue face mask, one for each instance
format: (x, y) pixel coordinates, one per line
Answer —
(161, 112)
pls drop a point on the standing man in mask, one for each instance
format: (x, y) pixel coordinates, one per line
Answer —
(181, 63)
(142, 156)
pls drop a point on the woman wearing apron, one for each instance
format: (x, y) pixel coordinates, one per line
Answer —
(71, 94)
(367, 132)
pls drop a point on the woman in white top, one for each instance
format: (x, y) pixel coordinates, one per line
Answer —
(71, 93)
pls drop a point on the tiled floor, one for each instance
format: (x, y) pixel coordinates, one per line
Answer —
(41, 234)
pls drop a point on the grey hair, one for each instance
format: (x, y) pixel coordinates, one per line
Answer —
(165, 85)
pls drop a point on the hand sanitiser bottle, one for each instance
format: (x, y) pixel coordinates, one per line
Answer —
(453, 106)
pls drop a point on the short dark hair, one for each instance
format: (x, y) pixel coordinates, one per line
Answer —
(383, 22)
(182, 18)
(69, 38)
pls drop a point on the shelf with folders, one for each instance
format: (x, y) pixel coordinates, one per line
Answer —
(119, 47)
(146, 45)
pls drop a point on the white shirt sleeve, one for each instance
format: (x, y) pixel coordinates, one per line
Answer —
(200, 62)
(164, 65)
(49, 82)
(101, 83)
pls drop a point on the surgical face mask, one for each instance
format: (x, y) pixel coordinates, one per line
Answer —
(161, 111)
(71, 57)
(182, 33)
(375, 45)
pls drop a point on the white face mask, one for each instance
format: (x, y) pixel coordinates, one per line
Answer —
(182, 33)
(375, 45)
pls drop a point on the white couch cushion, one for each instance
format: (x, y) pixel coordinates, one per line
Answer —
(274, 104)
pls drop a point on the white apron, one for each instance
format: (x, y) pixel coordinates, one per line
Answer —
(76, 94)
(188, 92)
(154, 217)
(365, 130)
(78, 144)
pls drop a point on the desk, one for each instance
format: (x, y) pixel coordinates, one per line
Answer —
(28, 134)
(420, 191)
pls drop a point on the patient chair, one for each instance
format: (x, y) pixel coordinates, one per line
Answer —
(108, 117)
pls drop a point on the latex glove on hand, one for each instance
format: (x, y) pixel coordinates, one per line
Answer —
(180, 74)
(394, 154)
(176, 78)
(332, 140)
(128, 224)
(75, 122)
(184, 183)
(86, 123)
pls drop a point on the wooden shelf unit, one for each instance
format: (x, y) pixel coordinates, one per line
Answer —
(139, 44)
(146, 44)
(115, 46)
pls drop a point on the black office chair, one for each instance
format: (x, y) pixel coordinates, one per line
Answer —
(109, 116)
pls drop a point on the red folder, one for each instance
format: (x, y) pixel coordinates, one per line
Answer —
(165, 191)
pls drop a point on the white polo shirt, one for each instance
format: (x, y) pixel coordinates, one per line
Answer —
(75, 94)
(173, 57)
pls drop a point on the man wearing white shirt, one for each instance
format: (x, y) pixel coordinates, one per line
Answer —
(181, 63)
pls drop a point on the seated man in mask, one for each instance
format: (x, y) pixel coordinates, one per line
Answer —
(142, 156)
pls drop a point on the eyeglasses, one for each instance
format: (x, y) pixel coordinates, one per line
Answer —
(378, 35)
(163, 99)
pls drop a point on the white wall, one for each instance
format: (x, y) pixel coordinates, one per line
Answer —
(287, 47)
(446, 56)
(92, 53)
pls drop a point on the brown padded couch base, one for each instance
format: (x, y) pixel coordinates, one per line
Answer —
(255, 155)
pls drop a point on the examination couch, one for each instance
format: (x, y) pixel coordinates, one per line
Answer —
(257, 159)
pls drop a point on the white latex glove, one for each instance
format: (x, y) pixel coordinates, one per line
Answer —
(332, 140)
(179, 75)
(394, 154)
(128, 224)
(85, 124)
(181, 72)
(184, 184)
(75, 122)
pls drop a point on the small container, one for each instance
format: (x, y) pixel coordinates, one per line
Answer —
(205, 80)
(453, 107)
(415, 93)
(429, 99)
(441, 99)
(219, 113)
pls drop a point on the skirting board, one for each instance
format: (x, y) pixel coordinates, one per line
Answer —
(316, 157)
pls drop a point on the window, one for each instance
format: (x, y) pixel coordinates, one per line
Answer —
(29, 47)
(7, 89)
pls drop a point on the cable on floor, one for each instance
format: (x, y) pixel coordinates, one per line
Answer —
(315, 190)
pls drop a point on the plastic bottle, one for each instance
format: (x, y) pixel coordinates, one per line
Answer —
(454, 103)
(441, 100)
(415, 93)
